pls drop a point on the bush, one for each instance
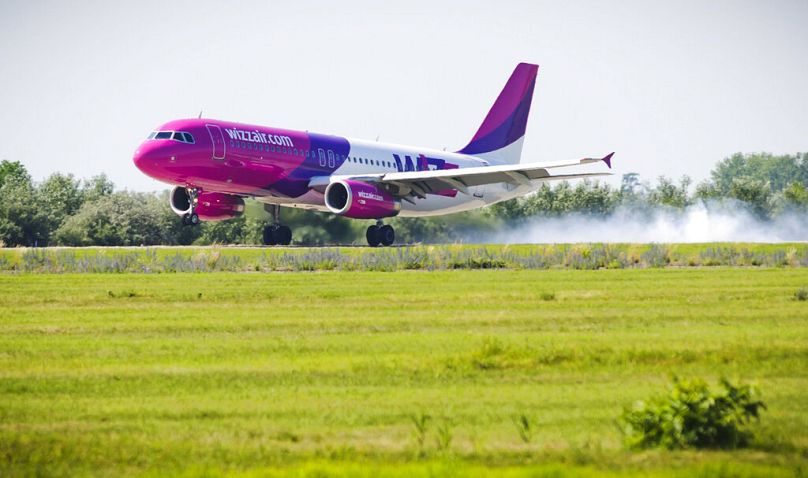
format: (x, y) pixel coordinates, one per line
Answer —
(691, 416)
(801, 294)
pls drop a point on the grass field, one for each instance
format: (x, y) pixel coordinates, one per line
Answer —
(430, 257)
(321, 374)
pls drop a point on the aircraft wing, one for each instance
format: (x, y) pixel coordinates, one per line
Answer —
(421, 183)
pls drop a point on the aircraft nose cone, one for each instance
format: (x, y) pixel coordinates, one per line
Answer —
(138, 159)
(146, 159)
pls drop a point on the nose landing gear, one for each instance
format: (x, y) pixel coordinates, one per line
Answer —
(277, 233)
(380, 234)
(191, 218)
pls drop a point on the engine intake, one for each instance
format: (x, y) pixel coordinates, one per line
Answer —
(209, 206)
(360, 200)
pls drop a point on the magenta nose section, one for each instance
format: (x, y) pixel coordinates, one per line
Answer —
(138, 158)
(147, 158)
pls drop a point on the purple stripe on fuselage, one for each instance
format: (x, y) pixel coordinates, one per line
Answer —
(328, 154)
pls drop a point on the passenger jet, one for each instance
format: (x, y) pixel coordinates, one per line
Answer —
(214, 165)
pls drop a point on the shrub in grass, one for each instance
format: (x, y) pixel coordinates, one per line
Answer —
(420, 422)
(524, 428)
(658, 255)
(490, 355)
(444, 435)
(801, 294)
(693, 416)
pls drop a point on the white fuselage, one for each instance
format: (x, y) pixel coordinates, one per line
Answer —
(375, 158)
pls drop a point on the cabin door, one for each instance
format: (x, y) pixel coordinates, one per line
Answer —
(217, 138)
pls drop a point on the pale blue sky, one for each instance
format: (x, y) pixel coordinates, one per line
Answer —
(672, 87)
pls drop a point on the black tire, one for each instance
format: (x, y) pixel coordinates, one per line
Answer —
(373, 236)
(387, 235)
(185, 220)
(284, 235)
(269, 236)
(193, 219)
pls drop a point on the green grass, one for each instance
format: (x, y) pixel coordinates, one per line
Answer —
(320, 374)
(441, 257)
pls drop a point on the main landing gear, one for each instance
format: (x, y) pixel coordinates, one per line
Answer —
(380, 233)
(191, 218)
(277, 233)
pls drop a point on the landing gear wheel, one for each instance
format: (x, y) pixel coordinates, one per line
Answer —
(269, 236)
(373, 236)
(277, 234)
(387, 235)
(284, 235)
(191, 219)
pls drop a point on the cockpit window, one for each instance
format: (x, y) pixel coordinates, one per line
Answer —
(180, 136)
(152, 135)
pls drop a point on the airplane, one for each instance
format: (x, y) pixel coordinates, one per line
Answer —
(213, 165)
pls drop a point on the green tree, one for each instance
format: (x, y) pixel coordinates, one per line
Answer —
(119, 219)
(796, 196)
(21, 221)
(755, 193)
(630, 184)
(13, 171)
(240, 230)
(667, 193)
(778, 171)
(96, 187)
(58, 196)
(510, 210)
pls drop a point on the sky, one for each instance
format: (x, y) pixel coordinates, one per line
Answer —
(671, 87)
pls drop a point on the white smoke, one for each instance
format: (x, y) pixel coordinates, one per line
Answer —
(697, 223)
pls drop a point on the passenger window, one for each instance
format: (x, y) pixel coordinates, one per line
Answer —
(163, 135)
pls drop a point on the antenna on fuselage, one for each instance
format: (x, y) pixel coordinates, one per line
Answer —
(377, 137)
(200, 114)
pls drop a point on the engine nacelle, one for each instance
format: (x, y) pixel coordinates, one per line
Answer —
(209, 206)
(360, 200)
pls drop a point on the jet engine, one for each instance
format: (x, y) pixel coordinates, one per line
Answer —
(209, 206)
(360, 200)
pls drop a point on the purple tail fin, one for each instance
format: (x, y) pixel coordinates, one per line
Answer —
(500, 136)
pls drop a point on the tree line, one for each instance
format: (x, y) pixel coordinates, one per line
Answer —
(63, 210)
